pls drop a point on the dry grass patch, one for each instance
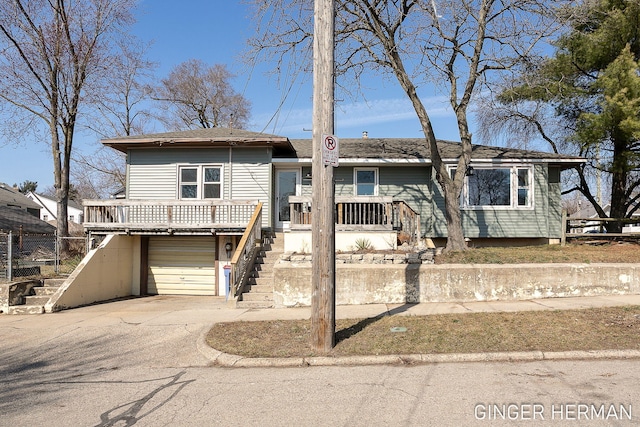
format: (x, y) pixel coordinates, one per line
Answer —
(607, 252)
(615, 328)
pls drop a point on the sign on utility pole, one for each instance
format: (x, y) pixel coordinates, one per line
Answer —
(330, 150)
(323, 295)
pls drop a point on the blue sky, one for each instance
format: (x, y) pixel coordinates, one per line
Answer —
(215, 31)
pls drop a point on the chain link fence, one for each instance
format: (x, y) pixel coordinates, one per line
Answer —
(39, 256)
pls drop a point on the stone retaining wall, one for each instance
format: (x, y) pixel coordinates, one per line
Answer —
(12, 294)
(362, 283)
(422, 257)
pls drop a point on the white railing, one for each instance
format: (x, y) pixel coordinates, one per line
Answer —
(371, 213)
(166, 214)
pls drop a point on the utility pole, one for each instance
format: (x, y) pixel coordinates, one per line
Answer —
(323, 296)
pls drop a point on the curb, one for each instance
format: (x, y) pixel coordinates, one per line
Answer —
(219, 358)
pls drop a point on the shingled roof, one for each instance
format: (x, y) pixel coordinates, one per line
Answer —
(10, 196)
(198, 137)
(14, 219)
(418, 149)
(412, 149)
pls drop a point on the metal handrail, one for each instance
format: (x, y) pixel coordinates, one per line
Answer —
(245, 254)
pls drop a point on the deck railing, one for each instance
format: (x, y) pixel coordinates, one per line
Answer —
(589, 228)
(166, 214)
(245, 254)
(360, 213)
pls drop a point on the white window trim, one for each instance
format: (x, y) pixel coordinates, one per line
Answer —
(200, 180)
(464, 196)
(376, 174)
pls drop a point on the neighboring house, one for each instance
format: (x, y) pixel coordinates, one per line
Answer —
(196, 199)
(583, 225)
(17, 220)
(19, 213)
(10, 196)
(49, 211)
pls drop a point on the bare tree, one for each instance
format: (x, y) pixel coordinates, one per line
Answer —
(458, 44)
(100, 174)
(123, 105)
(201, 96)
(123, 108)
(52, 54)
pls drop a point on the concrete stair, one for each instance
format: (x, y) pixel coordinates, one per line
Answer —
(34, 304)
(259, 290)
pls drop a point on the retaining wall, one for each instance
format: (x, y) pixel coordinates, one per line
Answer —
(413, 283)
(108, 272)
(12, 294)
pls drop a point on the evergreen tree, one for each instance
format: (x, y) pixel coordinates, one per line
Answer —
(593, 82)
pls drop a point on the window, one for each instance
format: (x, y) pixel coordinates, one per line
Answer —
(200, 182)
(489, 187)
(188, 183)
(366, 182)
(500, 187)
(211, 184)
(523, 187)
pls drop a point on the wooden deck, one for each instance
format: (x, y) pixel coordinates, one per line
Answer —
(167, 216)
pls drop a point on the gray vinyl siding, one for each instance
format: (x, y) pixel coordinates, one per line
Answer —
(409, 184)
(153, 173)
(504, 223)
(152, 181)
(555, 203)
(251, 178)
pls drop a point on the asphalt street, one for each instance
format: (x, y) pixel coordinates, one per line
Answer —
(137, 362)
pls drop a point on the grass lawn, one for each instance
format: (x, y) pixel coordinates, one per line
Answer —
(615, 328)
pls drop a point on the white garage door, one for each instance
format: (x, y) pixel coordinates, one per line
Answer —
(182, 265)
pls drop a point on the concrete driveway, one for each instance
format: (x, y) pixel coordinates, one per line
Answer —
(154, 331)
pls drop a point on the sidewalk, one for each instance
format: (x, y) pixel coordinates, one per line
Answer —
(373, 310)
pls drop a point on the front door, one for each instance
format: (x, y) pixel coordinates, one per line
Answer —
(287, 184)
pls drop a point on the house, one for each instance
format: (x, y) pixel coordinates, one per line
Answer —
(11, 197)
(18, 213)
(587, 220)
(18, 220)
(198, 201)
(49, 208)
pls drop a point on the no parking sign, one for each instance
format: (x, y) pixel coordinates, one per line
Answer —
(330, 150)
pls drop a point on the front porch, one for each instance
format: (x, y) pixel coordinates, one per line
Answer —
(378, 222)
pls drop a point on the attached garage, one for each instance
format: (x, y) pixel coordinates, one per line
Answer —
(182, 265)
